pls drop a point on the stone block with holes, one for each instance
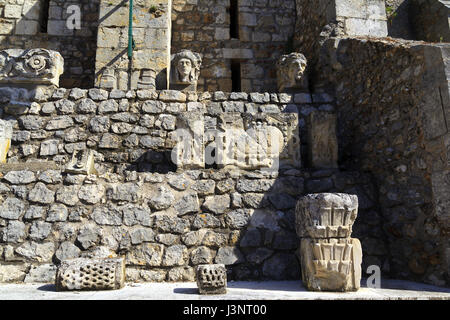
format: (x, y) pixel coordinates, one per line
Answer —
(90, 274)
(211, 279)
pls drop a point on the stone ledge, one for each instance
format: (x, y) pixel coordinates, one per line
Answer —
(30, 166)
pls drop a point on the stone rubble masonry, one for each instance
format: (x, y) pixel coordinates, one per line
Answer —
(151, 34)
(133, 207)
(393, 125)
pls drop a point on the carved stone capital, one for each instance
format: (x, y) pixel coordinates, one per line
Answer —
(326, 215)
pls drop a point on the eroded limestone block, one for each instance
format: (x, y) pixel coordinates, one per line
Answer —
(326, 215)
(5, 139)
(34, 66)
(82, 162)
(147, 79)
(189, 152)
(331, 264)
(253, 141)
(108, 79)
(291, 75)
(91, 274)
(322, 140)
(211, 279)
(185, 70)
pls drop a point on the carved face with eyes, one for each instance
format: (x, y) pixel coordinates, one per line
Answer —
(297, 69)
(291, 71)
(184, 68)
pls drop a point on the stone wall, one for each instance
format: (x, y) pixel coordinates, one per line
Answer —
(319, 20)
(399, 19)
(265, 30)
(23, 24)
(431, 20)
(393, 125)
(151, 36)
(164, 221)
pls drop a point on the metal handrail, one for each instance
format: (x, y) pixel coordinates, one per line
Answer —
(130, 32)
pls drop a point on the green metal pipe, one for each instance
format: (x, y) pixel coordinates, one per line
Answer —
(130, 32)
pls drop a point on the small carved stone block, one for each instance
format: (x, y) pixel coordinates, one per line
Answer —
(108, 79)
(322, 140)
(82, 162)
(5, 139)
(147, 79)
(212, 279)
(91, 274)
(326, 215)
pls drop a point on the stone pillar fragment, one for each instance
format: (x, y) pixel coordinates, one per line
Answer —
(330, 258)
(5, 139)
(189, 152)
(322, 140)
(91, 274)
(211, 279)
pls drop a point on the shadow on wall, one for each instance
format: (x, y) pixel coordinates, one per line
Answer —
(399, 20)
(43, 24)
(154, 162)
(261, 220)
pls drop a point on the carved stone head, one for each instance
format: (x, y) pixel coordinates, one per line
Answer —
(291, 72)
(185, 67)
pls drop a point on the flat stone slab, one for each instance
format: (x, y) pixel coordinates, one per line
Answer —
(239, 290)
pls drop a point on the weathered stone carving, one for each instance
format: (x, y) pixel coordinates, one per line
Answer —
(5, 139)
(211, 279)
(330, 259)
(91, 274)
(291, 73)
(108, 79)
(189, 152)
(82, 162)
(322, 140)
(185, 70)
(326, 215)
(147, 79)
(35, 66)
(251, 141)
(331, 264)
